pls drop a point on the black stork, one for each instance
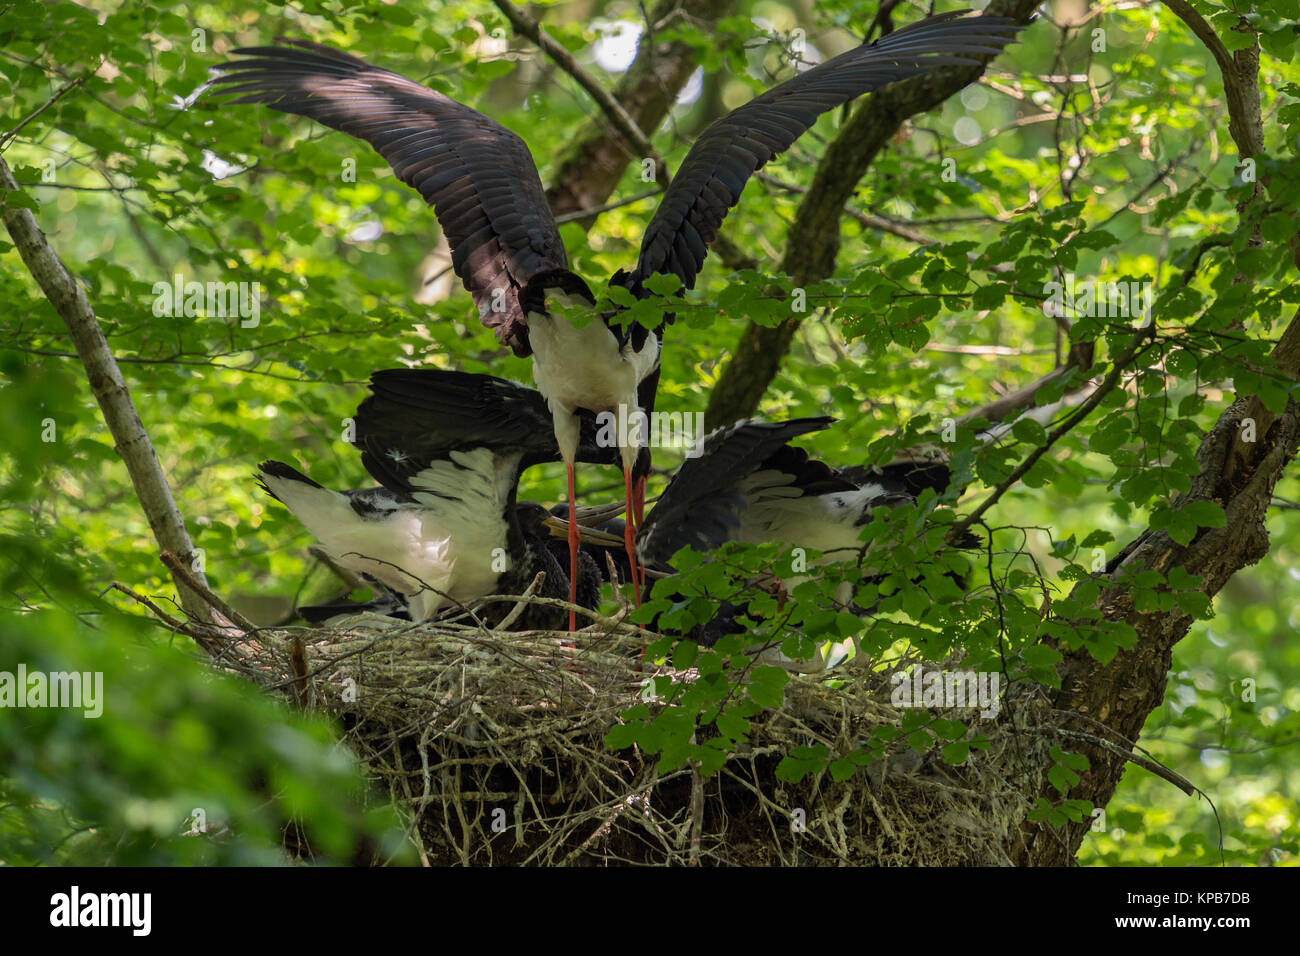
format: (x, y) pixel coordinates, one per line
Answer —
(438, 550)
(746, 487)
(414, 417)
(750, 485)
(445, 527)
(485, 190)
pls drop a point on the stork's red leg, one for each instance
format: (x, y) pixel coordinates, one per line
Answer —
(573, 550)
(638, 505)
(629, 537)
(638, 501)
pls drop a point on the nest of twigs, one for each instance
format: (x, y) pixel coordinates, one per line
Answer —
(492, 744)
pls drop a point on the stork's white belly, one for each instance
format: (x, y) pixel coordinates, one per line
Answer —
(466, 577)
(461, 505)
(825, 523)
(585, 368)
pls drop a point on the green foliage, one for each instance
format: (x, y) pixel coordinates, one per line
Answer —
(178, 767)
(900, 343)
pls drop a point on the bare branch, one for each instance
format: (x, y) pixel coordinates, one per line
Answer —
(597, 210)
(1240, 72)
(1080, 359)
(866, 219)
(1204, 32)
(1117, 370)
(813, 240)
(592, 165)
(182, 571)
(1146, 763)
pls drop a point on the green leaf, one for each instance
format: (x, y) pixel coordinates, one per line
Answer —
(1028, 430)
(621, 736)
(767, 687)
(732, 724)
(1041, 655)
(684, 654)
(1062, 777)
(663, 283)
(1096, 539)
(1181, 527)
(1233, 40)
(17, 199)
(1206, 514)
(989, 297)
(956, 753)
(842, 769)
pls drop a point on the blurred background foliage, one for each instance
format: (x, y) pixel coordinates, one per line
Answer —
(1110, 164)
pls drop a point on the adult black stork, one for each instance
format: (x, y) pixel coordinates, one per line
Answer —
(486, 193)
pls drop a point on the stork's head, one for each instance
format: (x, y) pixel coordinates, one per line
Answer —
(530, 526)
(535, 519)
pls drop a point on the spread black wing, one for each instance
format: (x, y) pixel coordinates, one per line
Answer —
(808, 475)
(733, 148)
(477, 175)
(906, 476)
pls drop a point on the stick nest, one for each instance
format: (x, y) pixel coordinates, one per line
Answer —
(492, 745)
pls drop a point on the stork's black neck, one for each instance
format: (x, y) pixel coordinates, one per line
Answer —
(532, 297)
(636, 333)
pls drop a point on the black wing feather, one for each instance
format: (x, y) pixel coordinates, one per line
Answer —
(810, 476)
(478, 176)
(905, 476)
(425, 414)
(733, 148)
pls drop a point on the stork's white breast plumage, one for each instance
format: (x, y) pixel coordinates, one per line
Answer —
(585, 368)
(779, 511)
